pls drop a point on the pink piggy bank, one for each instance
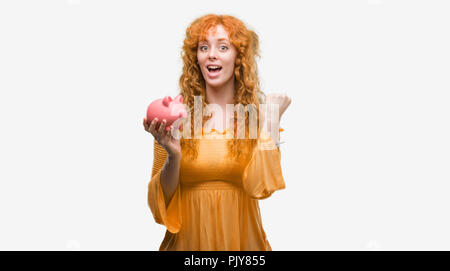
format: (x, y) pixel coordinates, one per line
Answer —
(168, 109)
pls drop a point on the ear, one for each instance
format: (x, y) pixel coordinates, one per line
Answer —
(166, 100)
(179, 98)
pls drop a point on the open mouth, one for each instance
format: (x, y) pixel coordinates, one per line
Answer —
(214, 69)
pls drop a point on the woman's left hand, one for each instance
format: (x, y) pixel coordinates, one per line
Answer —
(282, 100)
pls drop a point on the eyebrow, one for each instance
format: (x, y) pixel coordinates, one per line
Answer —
(221, 39)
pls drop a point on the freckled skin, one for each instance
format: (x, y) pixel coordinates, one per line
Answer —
(221, 52)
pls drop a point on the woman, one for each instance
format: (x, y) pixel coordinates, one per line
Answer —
(206, 190)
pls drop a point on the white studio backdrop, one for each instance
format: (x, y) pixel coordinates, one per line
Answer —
(366, 153)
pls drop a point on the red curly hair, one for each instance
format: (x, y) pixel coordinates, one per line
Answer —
(247, 86)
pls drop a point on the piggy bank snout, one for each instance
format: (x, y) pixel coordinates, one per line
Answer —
(178, 111)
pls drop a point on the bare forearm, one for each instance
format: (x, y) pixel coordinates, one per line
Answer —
(170, 177)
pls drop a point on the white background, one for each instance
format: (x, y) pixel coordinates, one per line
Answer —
(366, 154)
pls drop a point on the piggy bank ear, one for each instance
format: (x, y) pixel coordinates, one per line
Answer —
(166, 101)
(179, 99)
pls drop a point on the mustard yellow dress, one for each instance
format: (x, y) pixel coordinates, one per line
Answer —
(215, 206)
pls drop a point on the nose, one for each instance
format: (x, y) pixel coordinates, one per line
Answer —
(212, 54)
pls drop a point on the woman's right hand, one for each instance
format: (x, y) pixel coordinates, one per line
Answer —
(163, 137)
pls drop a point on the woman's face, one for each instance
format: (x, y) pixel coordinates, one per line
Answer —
(217, 50)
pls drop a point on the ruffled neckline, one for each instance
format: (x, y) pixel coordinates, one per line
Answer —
(213, 132)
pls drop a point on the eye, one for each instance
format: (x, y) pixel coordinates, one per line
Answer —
(223, 46)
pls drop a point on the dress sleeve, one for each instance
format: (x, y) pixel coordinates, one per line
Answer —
(262, 176)
(170, 215)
